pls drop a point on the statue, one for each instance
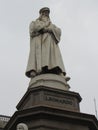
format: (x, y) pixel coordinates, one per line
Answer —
(22, 126)
(44, 56)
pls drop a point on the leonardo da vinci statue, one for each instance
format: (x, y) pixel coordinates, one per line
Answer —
(44, 56)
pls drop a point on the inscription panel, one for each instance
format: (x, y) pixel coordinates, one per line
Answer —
(58, 100)
(61, 101)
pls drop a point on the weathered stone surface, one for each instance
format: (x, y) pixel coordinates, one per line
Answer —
(47, 96)
(49, 80)
(47, 118)
(44, 56)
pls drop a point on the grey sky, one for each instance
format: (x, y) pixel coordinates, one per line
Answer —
(78, 20)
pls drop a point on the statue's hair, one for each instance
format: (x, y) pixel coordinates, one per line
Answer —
(43, 9)
(24, 126)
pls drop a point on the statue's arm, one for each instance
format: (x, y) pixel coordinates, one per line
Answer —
(35, 28)
(55, 31)
(31, 29)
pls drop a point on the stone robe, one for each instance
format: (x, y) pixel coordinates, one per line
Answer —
(44, 50)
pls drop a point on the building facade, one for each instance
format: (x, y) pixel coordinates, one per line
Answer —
(3, 121)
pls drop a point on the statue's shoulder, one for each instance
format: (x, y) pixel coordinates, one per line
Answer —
(32, 22)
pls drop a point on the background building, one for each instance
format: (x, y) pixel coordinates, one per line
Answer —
(3, 121)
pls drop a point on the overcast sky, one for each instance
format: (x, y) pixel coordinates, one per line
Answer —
(78, 20)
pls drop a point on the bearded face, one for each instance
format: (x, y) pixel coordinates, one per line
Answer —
(44, 16)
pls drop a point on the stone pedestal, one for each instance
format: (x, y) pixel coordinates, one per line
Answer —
(49, 105)
(48, 118)
(49, 80)
(46, 96)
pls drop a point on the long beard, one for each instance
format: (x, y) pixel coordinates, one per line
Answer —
(44, 18)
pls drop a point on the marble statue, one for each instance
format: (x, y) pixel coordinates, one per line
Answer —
(44, 56)
(22, 126)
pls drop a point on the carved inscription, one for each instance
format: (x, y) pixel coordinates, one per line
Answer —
(58, 100)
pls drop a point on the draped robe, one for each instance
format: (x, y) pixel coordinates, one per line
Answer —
(44, 49)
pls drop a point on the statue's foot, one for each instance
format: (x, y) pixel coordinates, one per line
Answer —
(32, 74)
(67, 78)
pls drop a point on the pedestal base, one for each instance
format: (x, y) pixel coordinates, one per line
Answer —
(48, 105)
(46, 118)
(49, 80)
(47, 96)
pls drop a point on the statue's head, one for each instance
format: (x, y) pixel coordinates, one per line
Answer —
(44, 11)
(22, 126)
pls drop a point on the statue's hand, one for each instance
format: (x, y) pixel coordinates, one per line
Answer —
(49, 29)
(41, 31)
(46, 30)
